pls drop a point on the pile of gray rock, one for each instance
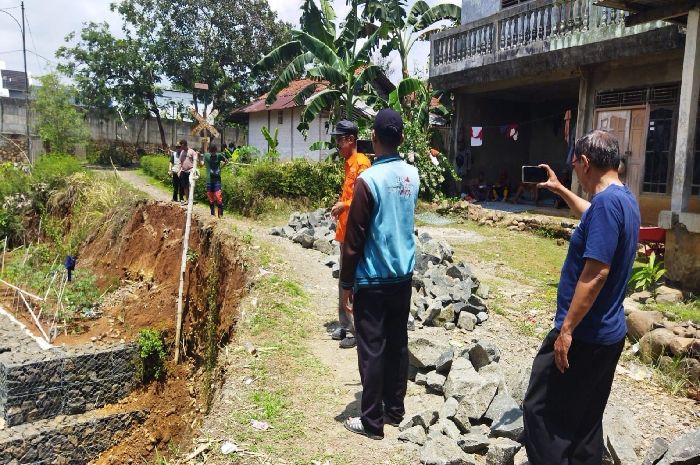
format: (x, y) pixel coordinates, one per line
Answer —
(311, 230)
(659, 338)
(445, 293)
(478, 416)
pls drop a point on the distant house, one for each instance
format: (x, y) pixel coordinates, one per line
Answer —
(12, 83)
(285, 115)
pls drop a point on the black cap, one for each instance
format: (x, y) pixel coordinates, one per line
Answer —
(388, 121)
(344, 127)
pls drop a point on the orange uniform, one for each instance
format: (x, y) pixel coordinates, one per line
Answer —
(354, 165)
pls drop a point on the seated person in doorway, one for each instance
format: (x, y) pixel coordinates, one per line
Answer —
(478, 188)
(501, 189)
(526, 187)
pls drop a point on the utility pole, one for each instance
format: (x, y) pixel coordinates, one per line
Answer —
(26, 90)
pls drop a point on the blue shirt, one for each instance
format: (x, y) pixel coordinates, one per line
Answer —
(608, 233)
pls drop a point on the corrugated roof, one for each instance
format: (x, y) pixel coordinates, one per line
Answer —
(285, 98)
(675, 11)
(13, 80)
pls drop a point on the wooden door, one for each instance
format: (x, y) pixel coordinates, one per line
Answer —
(629, 126)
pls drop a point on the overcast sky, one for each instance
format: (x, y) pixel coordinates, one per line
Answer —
(49, 21)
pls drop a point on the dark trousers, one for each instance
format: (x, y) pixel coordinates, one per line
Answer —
(563, 413)
(177, 188)
(381, 314)
(344, 318)
(185, 183)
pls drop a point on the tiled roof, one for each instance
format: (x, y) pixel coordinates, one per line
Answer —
(285, 98)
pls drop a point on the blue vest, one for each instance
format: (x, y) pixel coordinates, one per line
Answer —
(390, 249)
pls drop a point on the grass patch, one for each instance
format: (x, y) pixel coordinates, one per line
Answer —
(684, 311)
(285, 377)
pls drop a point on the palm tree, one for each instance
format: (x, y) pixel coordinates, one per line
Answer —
(405, 29)
(335, 58)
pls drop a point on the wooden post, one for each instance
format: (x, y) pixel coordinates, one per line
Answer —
(183, 262)
(687, 116)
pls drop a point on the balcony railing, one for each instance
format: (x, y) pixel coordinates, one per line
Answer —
(551, 24)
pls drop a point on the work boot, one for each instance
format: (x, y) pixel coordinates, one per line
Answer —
(348, 343)
(211, 209)
(221, 211)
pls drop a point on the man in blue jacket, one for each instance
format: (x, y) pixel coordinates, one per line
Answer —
(379, 255)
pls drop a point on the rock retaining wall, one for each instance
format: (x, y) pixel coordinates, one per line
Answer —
(66, 440)
(64, 384)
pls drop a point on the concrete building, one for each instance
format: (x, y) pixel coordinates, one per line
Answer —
(285, 115)
(550, 71)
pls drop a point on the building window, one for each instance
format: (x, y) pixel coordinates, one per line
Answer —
(280, 117)
(658, 158)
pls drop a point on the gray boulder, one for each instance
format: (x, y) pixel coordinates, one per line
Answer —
(502, 452)
(448, 428)
(475, 305)
(424, 353)
(483, 291)
(304, 239)
(442, 450)
(425, 418)
(517, 379)
(323, 246)
(335, 271)
(461, 379)
(473, 442)
(446, 315)
(277, 231)
(481, 317)
(477, 394)
(435, 381)
(656, 452)
(429, 314)
(621, 435)
(330, 261)
(493, 372)
(288, 232)
(449, 408)
(459, 271)
(466, 321)
(414, 434)
(506, 417)
(407, 423)
(438, 248)
(683, 451)
(421, 378)
(484, 353)
(444, 363)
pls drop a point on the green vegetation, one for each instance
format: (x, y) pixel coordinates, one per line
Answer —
(685, 311)
(253, 189)
(647, 276)
(60, 124)
(152, 354)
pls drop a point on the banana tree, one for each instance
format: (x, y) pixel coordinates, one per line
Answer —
(413, 98)
(338, 60)
(406, 28)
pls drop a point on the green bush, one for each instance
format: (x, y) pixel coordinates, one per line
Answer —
(14, 180)
(112, 153)
(248, 189)
(54, 168)
(152, 354)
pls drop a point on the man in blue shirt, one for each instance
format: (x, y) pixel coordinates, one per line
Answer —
(378, 257)
(573, 372)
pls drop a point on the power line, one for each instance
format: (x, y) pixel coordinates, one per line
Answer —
(31, 36)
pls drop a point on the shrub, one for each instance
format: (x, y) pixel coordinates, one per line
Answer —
(152, 354)
(156, 166)
(647, 276)
(54, 168)
(112, 153)
(14, 180)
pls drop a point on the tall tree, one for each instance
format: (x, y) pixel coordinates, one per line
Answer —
(111, 73)
(212, 41)
(406, 27)
(321, 52)
(60, 124)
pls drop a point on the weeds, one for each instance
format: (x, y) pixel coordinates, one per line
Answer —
(647, 276)
(152, 354)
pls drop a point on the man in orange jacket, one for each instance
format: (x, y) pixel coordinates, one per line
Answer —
(345, 133)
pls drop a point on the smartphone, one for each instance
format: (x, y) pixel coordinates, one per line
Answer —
(365, 146)
(534, 174)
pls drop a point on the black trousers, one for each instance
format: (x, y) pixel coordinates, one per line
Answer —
(177, 188)
(381, 314)
(563, 413)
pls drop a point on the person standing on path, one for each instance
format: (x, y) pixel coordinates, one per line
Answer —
(214, 162)
(573, 371)
(345, 133)
(174, 170)
(187, 157)
(379, 253)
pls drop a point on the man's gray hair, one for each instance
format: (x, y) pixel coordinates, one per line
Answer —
(601, 148)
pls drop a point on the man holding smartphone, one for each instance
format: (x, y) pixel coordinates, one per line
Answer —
(573, 371)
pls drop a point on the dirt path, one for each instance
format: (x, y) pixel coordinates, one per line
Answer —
(656, 412)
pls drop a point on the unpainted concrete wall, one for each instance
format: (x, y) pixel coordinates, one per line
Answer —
(473, 10)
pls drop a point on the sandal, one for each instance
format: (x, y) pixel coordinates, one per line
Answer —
(355, 425)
